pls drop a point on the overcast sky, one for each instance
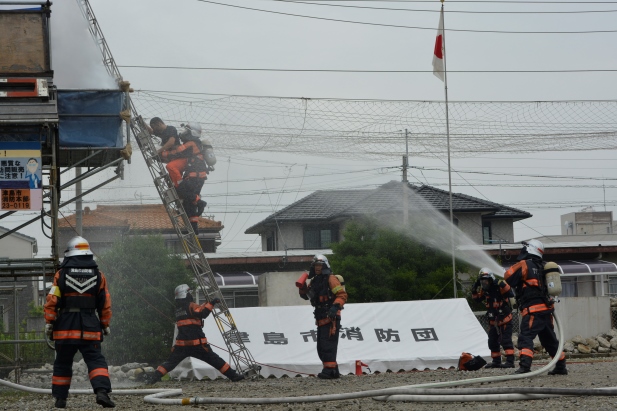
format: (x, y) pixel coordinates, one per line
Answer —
(193, 33)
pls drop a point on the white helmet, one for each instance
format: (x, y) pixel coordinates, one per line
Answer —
(194, 129)
(534, 247)
(77, 246)
(486, 274)
(320, 258)
(182, 291)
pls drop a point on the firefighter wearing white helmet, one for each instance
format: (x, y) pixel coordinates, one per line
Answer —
(191, 340)
(536, 306)
(194, 171)
(77, 316)
(495, 296)
(328, 296)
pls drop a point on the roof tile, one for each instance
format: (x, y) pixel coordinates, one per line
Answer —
(136, 217)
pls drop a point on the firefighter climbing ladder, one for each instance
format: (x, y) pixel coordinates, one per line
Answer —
(240, 355)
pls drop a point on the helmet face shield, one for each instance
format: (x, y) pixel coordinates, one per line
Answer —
(321, 260)
(487, 278)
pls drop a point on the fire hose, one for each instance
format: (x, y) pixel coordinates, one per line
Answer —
(416, 393)
(429, 392)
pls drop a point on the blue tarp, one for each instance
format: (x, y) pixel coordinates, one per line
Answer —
(90, 118)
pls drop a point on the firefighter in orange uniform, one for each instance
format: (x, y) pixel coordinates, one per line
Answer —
(527, 279)
(191, 340)
(77, 315)
(495, 295)
(328, 296)
(195, 172)
(169, 141)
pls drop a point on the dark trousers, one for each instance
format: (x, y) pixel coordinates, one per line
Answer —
(541, 325)
(327, 345)
(63, 367)
(201, 352)
(502, 338)
(189, 190)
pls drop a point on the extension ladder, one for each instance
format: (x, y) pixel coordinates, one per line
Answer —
(240, 355)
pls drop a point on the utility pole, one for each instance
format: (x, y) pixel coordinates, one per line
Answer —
(405, 183)
(78, 203)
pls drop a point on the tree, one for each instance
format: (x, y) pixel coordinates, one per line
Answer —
(141, 276)
(381, 264)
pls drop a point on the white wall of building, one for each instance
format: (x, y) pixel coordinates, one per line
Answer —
(279, 289)
(471, 225)
(586, 316)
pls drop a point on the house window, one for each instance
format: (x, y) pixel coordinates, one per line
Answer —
(319, 237)
(612, 286)
(486, 232)
(569, 287)
(241, 298)
(4, 320)
(270, 241)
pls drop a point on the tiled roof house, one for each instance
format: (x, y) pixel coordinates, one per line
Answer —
(319, 219)
(109, 223)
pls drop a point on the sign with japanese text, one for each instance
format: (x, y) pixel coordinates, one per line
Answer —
(20, 176)
(387, 336)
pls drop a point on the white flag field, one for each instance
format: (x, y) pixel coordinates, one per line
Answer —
(403, 335)
(438, 53)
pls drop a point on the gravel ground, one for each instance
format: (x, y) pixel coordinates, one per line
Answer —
(582, 374)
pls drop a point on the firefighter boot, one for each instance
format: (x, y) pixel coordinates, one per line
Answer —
(201, 205)
(195, 226)
(329, 374)
(152, 378)
(560, 368)
(103, 399)
(60, 403)
(509, 362)
(496, 363)
(525, 365)
(233, 375)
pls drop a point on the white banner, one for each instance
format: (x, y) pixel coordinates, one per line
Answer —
(394, 336)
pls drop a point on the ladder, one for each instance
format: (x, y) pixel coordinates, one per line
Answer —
(240, 355)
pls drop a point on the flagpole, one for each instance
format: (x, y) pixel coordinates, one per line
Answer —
(445, 82)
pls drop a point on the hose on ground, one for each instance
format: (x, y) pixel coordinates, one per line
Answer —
(142, 391)
(416, 393)
(420, 392)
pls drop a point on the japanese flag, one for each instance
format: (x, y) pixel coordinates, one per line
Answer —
(438, 54)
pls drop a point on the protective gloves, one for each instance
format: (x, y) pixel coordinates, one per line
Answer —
(49, 330)
(333, 311)
(215, 301)
(106, 330)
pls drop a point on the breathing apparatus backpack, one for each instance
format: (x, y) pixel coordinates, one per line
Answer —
(552, 279)
(470, 362)
(208, 151)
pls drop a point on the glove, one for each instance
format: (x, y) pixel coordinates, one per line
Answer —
(49, 330)
(215, 301)
(106, 330)
(502, 283)
(333, 311)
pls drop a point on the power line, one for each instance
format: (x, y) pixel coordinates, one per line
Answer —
(520, 175)
(476, 1)
(403, 27)
(365, 71)
(446, 11)
(156, 92)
